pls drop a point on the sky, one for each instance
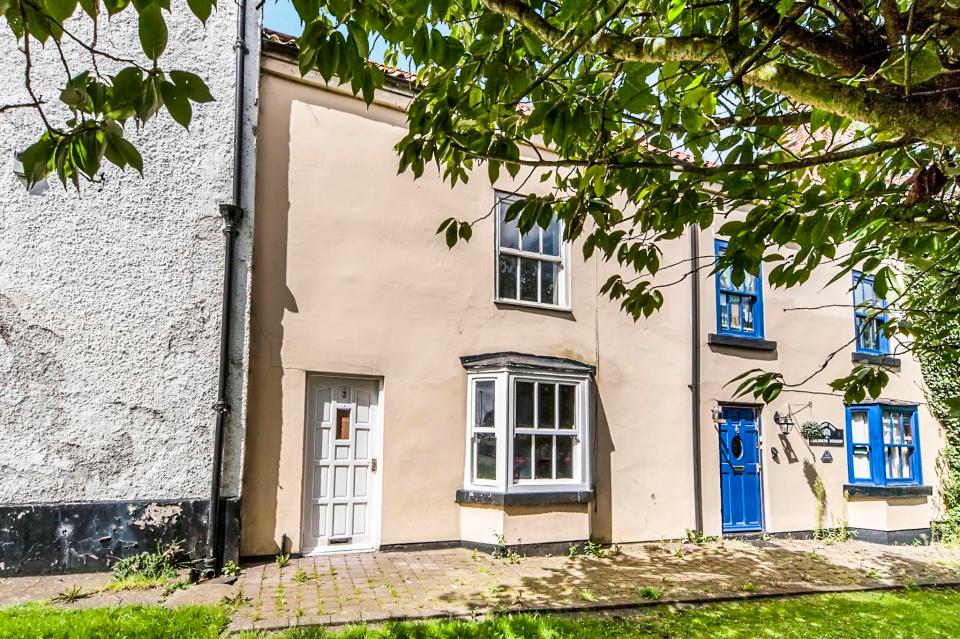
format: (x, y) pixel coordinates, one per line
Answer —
(280, 15)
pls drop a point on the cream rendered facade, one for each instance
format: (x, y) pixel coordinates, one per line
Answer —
(351, 281)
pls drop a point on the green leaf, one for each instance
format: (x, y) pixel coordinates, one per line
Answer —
(153, 31)
(177, 103)
(194, 87)
(60, 10)
(201, 8)
(115, 6)
(37, 158)
(122, 153)
(451, 234)
(127, 87)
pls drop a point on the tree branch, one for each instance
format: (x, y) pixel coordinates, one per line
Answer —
(920, 117)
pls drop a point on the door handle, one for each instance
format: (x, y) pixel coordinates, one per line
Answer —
(740, 468)
(373, 465)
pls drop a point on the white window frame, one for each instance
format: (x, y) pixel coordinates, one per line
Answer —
(505, 417)
(562, 260)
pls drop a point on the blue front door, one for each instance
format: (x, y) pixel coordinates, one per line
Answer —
(740, 470)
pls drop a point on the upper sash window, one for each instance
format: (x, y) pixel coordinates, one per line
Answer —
(739, 308)
(869, 314)
(532, 267)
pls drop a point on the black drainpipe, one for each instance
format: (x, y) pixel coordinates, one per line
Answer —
(232, 213)
(695, 375)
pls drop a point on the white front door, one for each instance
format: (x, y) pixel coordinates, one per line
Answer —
(341, 505)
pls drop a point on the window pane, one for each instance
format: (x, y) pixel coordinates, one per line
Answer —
(343, 423)
(724, 311)
(524, 405)
(543, 457)
(531, 240)
(861, 462)
(546, 397)
(528, 280)
(907, 465)
(565, 457)
(551, 238)
(484, 404)
(749, 283)
(522, 457)
(892, 455)
(907, 429)
(726, 278)
(507, 268)
(734, 302)
(548, 282)
(486, 463)
(888, 427)
(747, 315)
(568, 406)
(859, 427)
(509, 232)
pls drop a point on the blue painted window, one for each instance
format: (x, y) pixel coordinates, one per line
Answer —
(869, 315)
(883, 445)
(739, 308)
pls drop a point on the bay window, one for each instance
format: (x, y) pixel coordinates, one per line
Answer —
(528, 423)
(883, 445)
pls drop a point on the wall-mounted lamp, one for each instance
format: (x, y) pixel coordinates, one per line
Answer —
(716, 413)
(785, 422)
(37, 188)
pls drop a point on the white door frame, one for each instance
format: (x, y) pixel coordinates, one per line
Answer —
(376, 485)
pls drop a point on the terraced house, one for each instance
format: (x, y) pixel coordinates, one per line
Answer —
(403, 394)
(382, 392)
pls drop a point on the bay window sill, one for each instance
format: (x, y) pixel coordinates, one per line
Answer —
(866, 490)
(546, 497)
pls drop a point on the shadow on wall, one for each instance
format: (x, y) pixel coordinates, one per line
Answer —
(603, 449)
(271, 299)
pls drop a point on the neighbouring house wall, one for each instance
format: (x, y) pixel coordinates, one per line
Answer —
(351, 279)
(110, 297)
(808, 323)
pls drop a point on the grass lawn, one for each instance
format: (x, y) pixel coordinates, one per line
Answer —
(124, 622)
(887, 615)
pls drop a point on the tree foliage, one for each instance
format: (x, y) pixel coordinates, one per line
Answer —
(100, 104)
(830, 126)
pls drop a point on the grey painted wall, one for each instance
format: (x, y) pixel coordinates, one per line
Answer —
(110, 298)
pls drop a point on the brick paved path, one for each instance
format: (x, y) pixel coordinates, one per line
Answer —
(373, 587)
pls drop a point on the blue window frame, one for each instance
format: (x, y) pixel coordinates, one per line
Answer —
(739, 308)
(869, 314)
(883, 445)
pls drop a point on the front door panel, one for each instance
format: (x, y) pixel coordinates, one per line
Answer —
(339, 488)
(740, 470)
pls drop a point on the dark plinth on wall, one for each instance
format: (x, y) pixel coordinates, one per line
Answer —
(42, 539)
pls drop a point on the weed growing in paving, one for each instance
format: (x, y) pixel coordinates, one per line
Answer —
(300, 576)
(649, 593)
(231, 569)
(151, 566)
(174, 586)
(748, 586)
(504, 551)
(283, 561)
(587, 595)
(71, 594)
